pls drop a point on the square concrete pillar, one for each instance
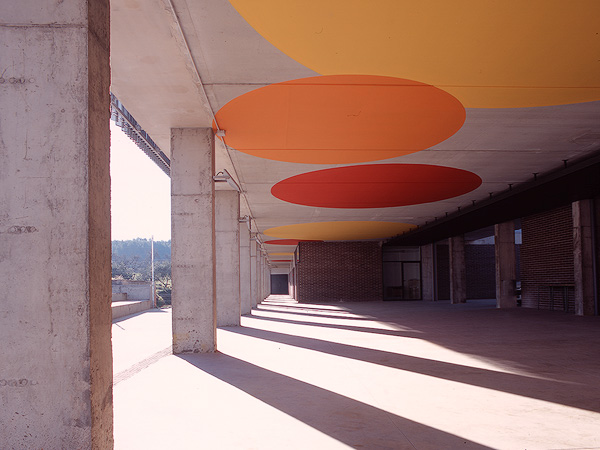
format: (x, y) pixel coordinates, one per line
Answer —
(506, 264)
(254, 271)
(458, 277)
(55, 319)
(260, 276)
(193, 240)
(245, 275)
(428, 272)
(583, 257)
(228, 258)
(266, 279)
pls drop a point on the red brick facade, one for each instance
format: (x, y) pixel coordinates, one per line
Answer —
(339, 271)
(547, 258)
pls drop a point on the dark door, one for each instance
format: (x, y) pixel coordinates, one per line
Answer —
(279, 284)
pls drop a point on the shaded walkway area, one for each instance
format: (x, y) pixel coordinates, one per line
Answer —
(395, 375)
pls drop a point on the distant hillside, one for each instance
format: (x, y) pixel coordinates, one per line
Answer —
(140, 248)
(131, 259)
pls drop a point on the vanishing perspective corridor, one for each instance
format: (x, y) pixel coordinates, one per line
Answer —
(414, 375)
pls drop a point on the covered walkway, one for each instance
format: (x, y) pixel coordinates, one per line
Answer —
(395, 375)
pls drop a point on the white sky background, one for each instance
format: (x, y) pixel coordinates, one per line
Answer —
(140, 192)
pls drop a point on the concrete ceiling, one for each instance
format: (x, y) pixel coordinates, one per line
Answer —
(176, 63)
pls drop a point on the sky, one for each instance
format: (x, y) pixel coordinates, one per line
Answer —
(140, 192)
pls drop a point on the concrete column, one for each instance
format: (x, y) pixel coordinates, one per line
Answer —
(55, 318)
(245, 275)
(193, 240)
(458, 280)
(228, 258)
(253, 271)
(506, 264)
(262, 295)
(428, 272)
(267, 279)
(260, 273)
(583, 257)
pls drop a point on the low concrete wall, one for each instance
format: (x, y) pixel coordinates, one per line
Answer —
(135, 290)
(119, 296)
(120, 309)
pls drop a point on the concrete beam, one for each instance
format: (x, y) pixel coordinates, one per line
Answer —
(458, 276)
(193, 240)
(506, 264)
(228, 258)
(55, 328)
(583, 257)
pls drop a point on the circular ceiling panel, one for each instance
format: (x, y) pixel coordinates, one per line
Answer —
(488, 54)
(340, 119)
(376, 186)
(340, 231)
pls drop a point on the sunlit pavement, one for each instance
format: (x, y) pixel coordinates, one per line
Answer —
(364, 375)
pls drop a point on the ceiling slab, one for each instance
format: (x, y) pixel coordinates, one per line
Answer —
(176, 63)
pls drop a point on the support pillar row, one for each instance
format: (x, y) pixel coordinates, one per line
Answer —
(428, 272)
(506, 264)
(583, 257)
(245, 265)
(254, 271)
(227, 234)
(193, 259)
(458, 277)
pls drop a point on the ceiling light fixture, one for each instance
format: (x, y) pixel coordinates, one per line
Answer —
(223, 175)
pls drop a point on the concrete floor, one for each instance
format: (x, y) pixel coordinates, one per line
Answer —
(397, 375)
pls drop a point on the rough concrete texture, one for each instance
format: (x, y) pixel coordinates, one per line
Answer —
(458, 274)
(193, 239)
(56, 372)
(377, 375)
(227, 235)
(245, 293)
(506, 264)
(583, 257)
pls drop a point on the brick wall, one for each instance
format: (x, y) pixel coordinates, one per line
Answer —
(547, 258)
(480, 265)
(339, 271)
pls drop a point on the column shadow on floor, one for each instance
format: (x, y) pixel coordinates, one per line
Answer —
(321, 314)
(349, 421)
(565, 393)
(404, 333)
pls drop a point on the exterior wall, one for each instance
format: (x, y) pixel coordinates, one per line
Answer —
(339, 271)
(134, 290)
(547, 258)
(481, 271)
